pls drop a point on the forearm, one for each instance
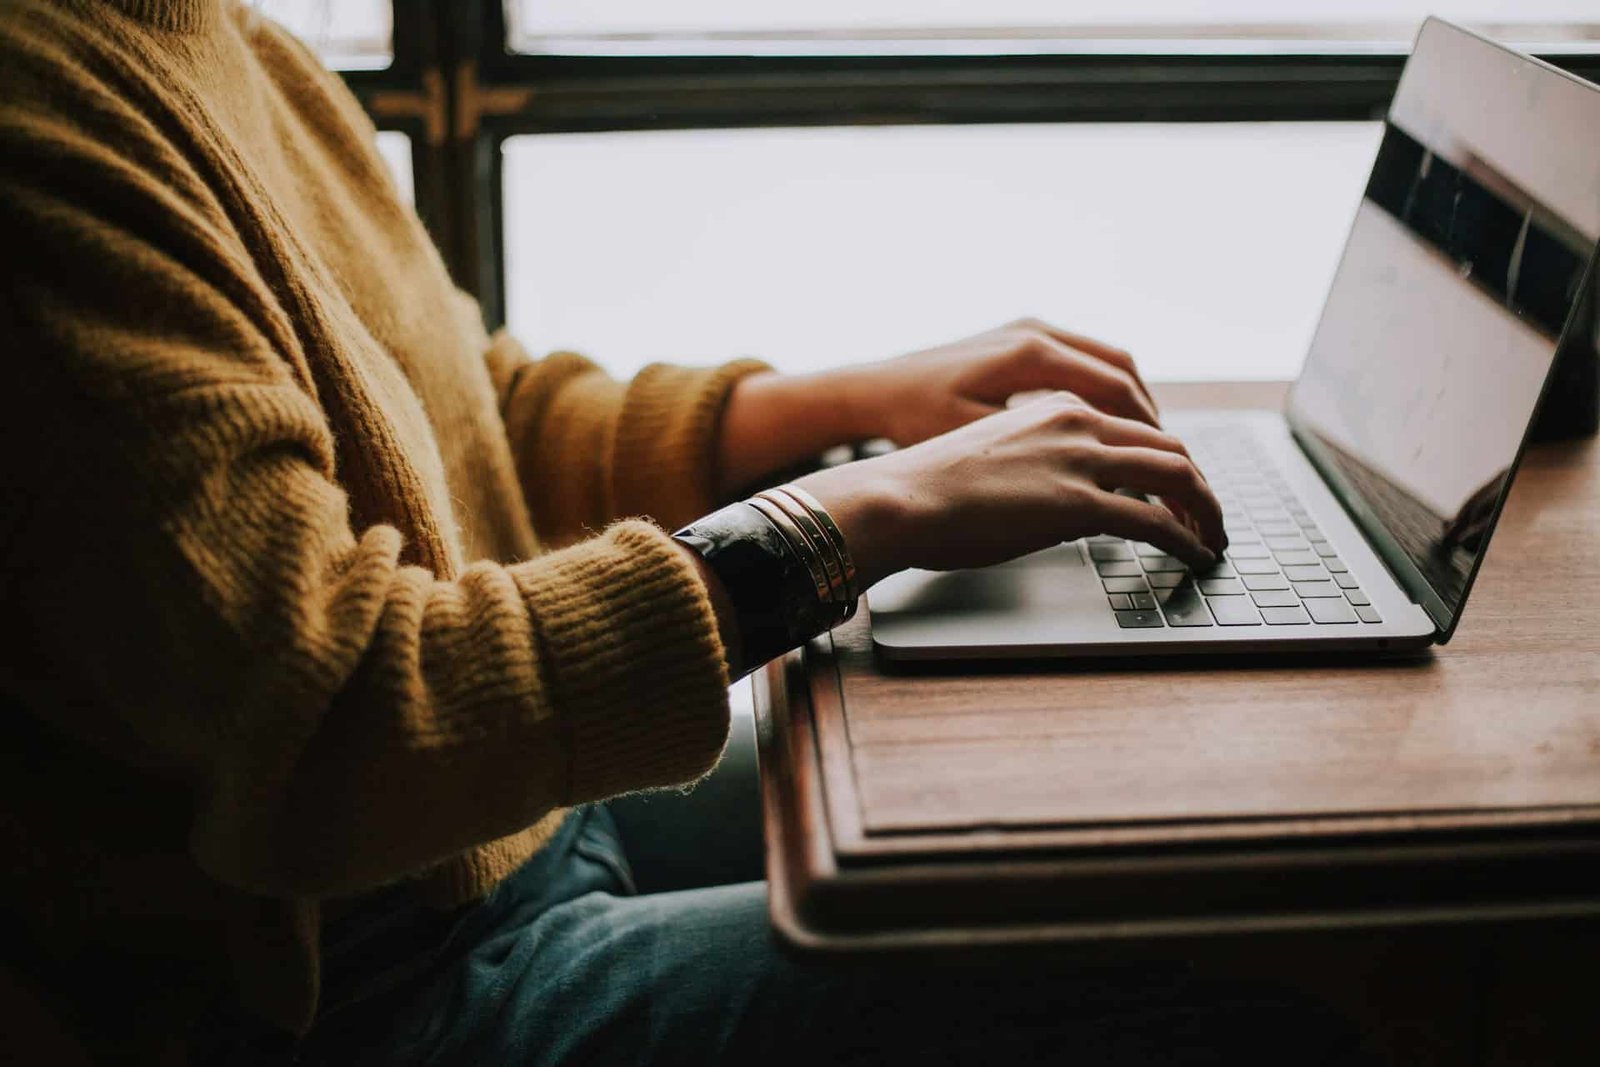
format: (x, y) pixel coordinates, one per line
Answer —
(774, 421)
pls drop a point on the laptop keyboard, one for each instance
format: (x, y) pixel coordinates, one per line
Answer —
(1278, 570)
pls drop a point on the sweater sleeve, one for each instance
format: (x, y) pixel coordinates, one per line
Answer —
(645, 447)
(188, 593)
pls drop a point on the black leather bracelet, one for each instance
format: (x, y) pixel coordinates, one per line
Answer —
(768, 582)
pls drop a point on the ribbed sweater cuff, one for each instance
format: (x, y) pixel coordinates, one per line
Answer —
(664, 462)
(631, 652)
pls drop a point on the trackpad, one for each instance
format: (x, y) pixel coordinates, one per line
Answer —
(1051, 576)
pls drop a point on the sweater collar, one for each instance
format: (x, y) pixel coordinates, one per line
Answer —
(179, 16)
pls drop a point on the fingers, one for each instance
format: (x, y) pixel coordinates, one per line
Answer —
(1108, 387)
(1138, 520)
(1114, 431)
(1126, 454)
(1117, 357)
(1170, 476)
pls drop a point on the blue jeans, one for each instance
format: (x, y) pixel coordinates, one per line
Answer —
(566, 964)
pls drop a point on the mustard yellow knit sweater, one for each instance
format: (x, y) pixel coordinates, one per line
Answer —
(279, 625)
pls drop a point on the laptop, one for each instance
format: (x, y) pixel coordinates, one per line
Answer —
(1358, 516)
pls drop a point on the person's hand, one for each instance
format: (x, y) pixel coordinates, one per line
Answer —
(1017, 481)
(914, 397)
(775, 420)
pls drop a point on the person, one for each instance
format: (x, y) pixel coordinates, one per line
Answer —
(335, 620)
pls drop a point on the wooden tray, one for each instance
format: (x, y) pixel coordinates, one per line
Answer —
(1103, 802)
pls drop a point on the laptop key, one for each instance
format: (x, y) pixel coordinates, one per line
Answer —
(1357, 597)
(1120, 602)
(1310, 531)
(1298, 558)
(1124, 585)
(1265, 581)
(1346, 581)
(1317, 591)
(1221, 587)
(1286, 616)
(1148, 550)
(1185, 607)
(1278, 529)
(1100, 553)
(1313, 573)
(1166, 579)
(1367, 613)
(1325, 550)
(1335, 564)
(1118, 568)
(1275, 598)
(1163, 563)
(1248, 551)
(1141, 601)
(1281, 543)
(1329, 612)
(1138, 620)
(1255, 566)
(1234, 611)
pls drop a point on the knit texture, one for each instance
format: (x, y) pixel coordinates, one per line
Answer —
(280, 627)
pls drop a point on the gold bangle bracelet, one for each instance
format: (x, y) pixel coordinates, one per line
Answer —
(834, 541)
(798, 543)
(835, 535)
(820, 542)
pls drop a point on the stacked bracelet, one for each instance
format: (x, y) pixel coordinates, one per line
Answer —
(784, 564)
(811, 531)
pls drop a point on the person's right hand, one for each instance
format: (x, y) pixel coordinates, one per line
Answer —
(1018, 481)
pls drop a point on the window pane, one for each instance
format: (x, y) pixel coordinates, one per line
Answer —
(1010, 25)
(1206, 249)
(346, 34)
(395, 148)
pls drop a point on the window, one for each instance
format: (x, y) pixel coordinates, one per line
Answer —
(844, 179)
(624, 27)
(1204, 248)
(395, 147)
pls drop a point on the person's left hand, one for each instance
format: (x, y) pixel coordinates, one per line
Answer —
(775, 420)
(921, 395)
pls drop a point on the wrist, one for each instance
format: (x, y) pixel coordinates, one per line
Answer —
(856, 401)
(835, 407)
(870, 512)
(774, 421)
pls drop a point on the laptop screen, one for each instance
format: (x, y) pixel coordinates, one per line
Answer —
(1467, 258)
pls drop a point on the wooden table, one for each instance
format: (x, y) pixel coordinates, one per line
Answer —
(1108, 803)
